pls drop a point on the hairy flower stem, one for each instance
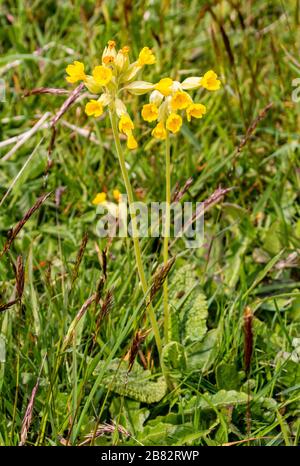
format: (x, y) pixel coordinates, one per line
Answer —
(166, 237)
(136, 244)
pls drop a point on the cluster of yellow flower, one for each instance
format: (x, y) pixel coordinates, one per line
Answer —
(115, 74)
(167, 97)
(101, 198)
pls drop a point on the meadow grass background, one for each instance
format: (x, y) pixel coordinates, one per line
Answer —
(252, 238)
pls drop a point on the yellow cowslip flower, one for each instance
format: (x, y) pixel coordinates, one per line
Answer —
(174, 122)
(102, 75)
(196, 111)
(146, 57)
(99, 199)
(94, 108)
(114, 76)
(159, 132)
(150, 112)
(164, 86)
(75, 72)
(210, 81)
(169, 97)
(180, 100)
(126, 124)
(131, 141)
(117, 195)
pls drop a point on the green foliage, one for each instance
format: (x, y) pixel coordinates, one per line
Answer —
(188, 303)
(136, 384)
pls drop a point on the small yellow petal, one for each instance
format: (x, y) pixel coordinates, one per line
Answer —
(146, 57)
(196, 111)
(94, 108)
(180, 100)
(210, 81)
(126, 124)
(131, 141)
(150, 112)
(174, 122)
(102, 75)
(75, 72)
(164, 86)
(159, 132)
(99, 199)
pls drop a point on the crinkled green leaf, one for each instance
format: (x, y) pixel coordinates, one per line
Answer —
(137, 384)
(219, 400)
(188, 302)
(202, 354)
(173, 360)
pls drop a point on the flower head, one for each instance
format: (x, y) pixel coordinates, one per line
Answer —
(109, 79)
(159, 132)
(210, 81)
(174, 122)
(180, 100)
(146, 57)
(170, 97)
(75, 72)
(99, 199)
(164, 86)
(102, 75)
(196, 111)
(94, 108)
(150, 112)
(126, 124)
(131, 141)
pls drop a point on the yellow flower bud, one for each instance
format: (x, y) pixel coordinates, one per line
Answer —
(191, 83)
(139, 87)
(92, 86)
(156, 98)
(120, 108)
